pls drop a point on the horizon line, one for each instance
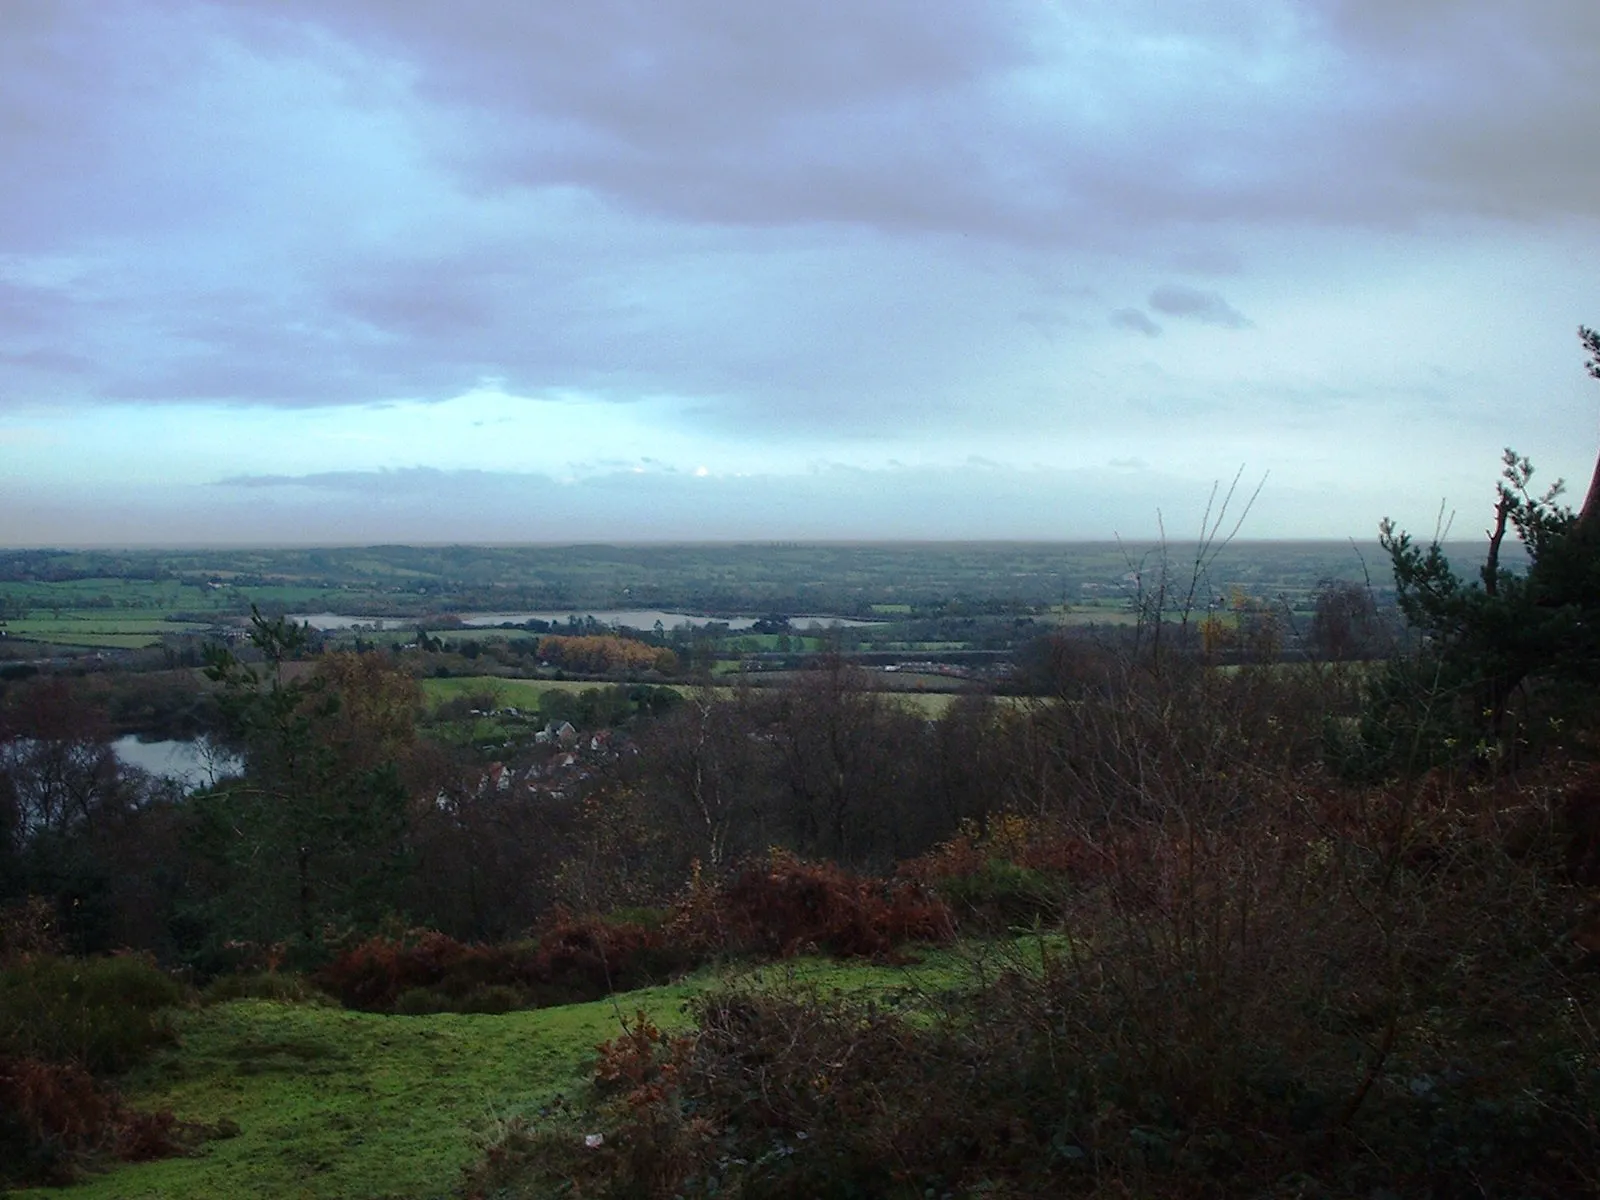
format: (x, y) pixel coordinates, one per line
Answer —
(649, 543)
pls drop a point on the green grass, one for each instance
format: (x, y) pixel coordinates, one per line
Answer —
(347, 1105)
(935, 971)
(302, 596)
(341, 1104)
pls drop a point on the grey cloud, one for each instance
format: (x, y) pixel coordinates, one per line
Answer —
(834, 500)
(907, 115)
(404, 482)
(1191, 304)
(1137, 320)
(842, 335)
(28, 310)
(36, 348)
(54, 361)
(794, 217)
(432, 303)
(1490, 105)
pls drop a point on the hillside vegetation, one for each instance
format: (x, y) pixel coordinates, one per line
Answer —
(1183, 920)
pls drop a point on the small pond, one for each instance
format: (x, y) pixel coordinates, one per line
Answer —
(193, 764)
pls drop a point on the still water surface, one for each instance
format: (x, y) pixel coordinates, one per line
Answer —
(641, 618)
(194, 764)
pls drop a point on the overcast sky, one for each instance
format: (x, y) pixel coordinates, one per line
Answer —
(525, 270)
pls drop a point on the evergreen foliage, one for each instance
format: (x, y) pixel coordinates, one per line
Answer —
(1498, 652)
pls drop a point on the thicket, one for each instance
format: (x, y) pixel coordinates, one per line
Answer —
(66, 1024)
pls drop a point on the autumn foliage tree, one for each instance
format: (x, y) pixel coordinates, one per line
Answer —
(604, 654)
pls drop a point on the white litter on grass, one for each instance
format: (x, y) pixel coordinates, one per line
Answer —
(594, 1140)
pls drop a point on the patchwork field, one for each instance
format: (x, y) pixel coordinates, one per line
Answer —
(525, 693)
(122, 632)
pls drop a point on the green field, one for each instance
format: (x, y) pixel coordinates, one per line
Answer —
(525, 693)
(932, 705)
(130, 631)
(510, 693)
(1096, 616)
(518, 693)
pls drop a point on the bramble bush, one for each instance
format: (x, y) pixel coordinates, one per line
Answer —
(568, 961)
(785, 906)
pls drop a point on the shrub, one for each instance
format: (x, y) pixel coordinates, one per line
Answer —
(287, 988)
(1013, 870)
(56, 1118)
(103, 1015)
(493, 998)
(1001, 895)
(63, 1022)
(571, 960)
(786, 906)
(780, 907)
(584, 959)
(420, 1002)
(373, 974)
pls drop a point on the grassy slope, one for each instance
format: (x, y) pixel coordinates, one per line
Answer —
(342, 1104)
(355, 1106)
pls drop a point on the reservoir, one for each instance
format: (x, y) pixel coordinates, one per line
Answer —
(641, 619)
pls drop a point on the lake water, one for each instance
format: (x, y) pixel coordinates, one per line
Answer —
(639, 618)
(194, 764)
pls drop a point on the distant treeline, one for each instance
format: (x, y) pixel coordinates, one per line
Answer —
(916, 579)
